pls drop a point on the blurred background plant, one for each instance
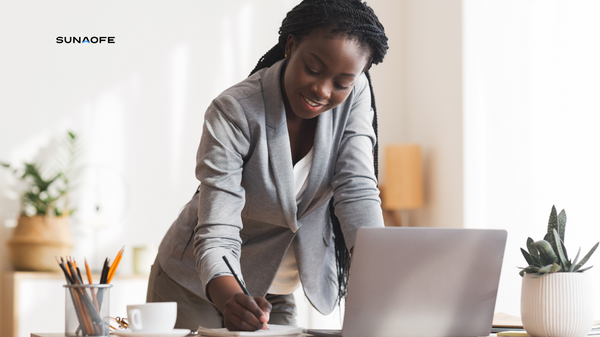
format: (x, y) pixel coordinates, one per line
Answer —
(47, 180)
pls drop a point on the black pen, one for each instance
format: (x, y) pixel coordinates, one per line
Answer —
(240, 283)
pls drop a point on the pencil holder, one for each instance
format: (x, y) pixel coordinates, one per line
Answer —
(86, 309)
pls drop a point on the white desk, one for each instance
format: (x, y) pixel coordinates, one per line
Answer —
(63, 335)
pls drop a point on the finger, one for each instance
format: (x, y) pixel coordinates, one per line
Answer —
(252, 305)
(266, 307)
(234, 323)
(245, 322)
(241, 316)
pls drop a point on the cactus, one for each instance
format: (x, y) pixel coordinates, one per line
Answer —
(550, 255)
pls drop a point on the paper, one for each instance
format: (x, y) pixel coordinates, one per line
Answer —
(274, 330)
(502, 320)
(512, 333)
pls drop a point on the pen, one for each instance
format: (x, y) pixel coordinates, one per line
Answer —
(239, 282)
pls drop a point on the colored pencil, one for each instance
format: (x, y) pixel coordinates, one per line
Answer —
(89, 276)
(87, 271)
(115, 265)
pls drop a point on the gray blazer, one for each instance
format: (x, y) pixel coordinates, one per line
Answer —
(245, 207)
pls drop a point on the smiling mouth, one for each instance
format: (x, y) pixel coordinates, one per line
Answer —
(311, 103)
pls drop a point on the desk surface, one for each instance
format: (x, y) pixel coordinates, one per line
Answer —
(41, 334)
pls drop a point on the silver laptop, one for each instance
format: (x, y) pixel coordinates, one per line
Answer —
(422, 282)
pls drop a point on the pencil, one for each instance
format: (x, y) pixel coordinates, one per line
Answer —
(115, 264)
(64, 269)
(236, 277)
(89, 276)
(241, 284)
(74, 273)
(87, 271)
(104, 272)
(68, 271)
(77, 269)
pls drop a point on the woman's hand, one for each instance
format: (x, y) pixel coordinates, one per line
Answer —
(240, 311)
(245, 313)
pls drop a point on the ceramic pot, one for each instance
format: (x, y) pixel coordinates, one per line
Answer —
(557, 304)
(37, 240)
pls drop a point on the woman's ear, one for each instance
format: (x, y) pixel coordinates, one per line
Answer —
(290, 46)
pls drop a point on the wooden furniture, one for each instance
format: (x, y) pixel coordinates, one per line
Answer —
(403, 181)
(35, 301)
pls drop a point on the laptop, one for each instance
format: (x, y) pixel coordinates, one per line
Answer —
(422, 282)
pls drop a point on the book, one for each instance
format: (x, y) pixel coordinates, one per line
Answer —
(274, 330)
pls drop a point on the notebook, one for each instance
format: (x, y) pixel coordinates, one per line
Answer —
(274, 330)
(422, 282)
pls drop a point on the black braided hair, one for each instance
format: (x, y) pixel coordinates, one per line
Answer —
(352, 19)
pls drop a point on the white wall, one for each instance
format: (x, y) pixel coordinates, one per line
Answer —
(434, 105)
(419, 88)
(531, 84)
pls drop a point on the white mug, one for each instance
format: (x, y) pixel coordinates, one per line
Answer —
(153, 317)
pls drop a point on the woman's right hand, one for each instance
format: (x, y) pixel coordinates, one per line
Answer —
(245, 313)
(240, 311)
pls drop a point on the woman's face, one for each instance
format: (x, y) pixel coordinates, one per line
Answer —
(321, 72)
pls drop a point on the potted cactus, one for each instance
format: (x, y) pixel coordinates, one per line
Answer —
(556, 296)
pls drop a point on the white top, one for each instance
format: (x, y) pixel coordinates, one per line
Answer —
(301, 171)
(287, 278)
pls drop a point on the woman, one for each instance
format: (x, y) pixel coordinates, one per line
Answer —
(284, 154)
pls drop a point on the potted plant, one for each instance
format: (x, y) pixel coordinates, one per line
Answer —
(42, 230)
(556, 296)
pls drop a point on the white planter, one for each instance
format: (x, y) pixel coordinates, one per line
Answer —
(557, 304)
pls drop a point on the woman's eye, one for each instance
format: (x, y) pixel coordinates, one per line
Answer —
(312, 72)
(339, 86)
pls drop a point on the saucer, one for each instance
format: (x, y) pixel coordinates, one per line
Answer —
(172, 333)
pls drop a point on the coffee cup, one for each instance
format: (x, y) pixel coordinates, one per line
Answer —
(156, 317)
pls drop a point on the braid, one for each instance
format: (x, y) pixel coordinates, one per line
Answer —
(269, 58)
(355, 20)
(376, 149)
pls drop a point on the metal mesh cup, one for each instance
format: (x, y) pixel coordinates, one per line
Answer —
(86, 309)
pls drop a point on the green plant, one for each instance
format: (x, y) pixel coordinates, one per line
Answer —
(550, 255)
(47, 181)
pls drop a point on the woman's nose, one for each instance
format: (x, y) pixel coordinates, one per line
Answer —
(322, 89)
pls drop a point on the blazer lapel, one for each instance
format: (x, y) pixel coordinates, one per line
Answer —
(320, 162)
(278, 141)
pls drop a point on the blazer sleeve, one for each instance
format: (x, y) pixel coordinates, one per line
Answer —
(356, 196)
(223, 147)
